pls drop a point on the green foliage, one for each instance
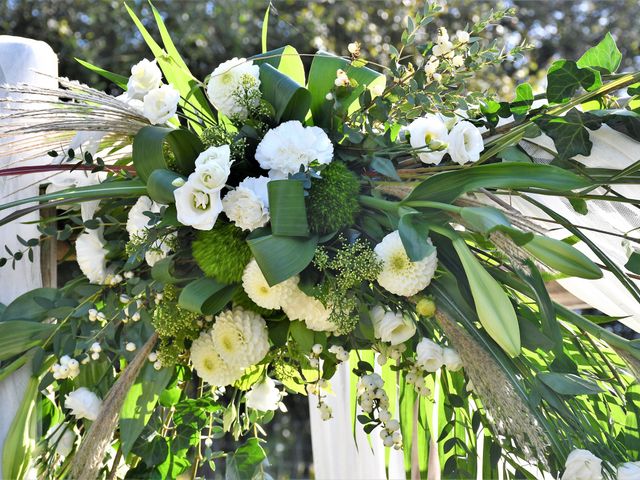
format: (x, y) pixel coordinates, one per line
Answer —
(222, 252)
(332, 203)
(218, 135)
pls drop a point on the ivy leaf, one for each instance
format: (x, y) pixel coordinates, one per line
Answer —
(244, 462)
(624, 121)
(524, 99)
(569, 133)
(604, 57)
(564, 77)
(633, 265)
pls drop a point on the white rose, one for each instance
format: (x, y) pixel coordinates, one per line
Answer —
(62, 438)
(465, 143)
(83, 403)
(429, 355)
(451, 359)
(92, 256)
(248, 204)
(213, 167)
(629, 471)
(160, 104)
(264, 396)
(582, 465)
(391, 327)
(234, 86)
(429, 133)
(145, 76)
(195, 206)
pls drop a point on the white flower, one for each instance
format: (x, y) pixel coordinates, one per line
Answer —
(465, 143)
(233, 86)
(261, 293)
(62, 438)
(429, 133)
(145, 76)
(288, 146)
(443, 48)
(300, 306)
(137, 221)
(451, 359)
(431, 66)
(429, 355)
(209, 365)
(399, 274)
(83, 403)
(240, 337)
(213, 167)
(264, 396)
(248, 204)
(92, 256)
(391, 327)
(582, 465)
(629, 471)
(196, 207)
(462, 36)
(160, 104)
(457, 61)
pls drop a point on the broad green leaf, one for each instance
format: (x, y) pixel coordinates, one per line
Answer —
(280, 258)
(287, 208)
(32, 305)
(290, 100)
(414, 233)
(624, 121)
(484, 219)
(18, 336)
(446, 187)
(206, 296)
(140, 403)
(524, 99)
(568, 383)
(633, 265)
(162, 271)
(513, 154)
(604, 57)
(244, 463)
(286, 60)
(160, 185)
(569, 133)
(303, 337)
(564, 77)
(119, 80)
(384, 166)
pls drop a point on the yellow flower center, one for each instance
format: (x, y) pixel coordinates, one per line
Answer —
(399, 261)
(208, 364)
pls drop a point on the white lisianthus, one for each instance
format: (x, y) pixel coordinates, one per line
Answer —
(430, 135)
(629, 471)
(145, 76)
(300, 306)
(429, 355)
(240, 337)
(290, 145)
(400, 275)
(234, 86)
(465, 143)
(391, 327)
(247, 206)
(261, 293)
(83, 403)
(213, 167)
(451, 359)
(209, 365)
(195, 206)
(264, 396)
(61, 437)
(582, 465)
(160, 104)
(92, 256)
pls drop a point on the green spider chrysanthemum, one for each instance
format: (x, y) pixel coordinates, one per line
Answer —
(333, 200)
(222, 253)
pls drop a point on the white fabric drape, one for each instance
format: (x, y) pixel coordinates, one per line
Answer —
(20, 59)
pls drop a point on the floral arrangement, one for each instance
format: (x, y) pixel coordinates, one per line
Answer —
(240, 237)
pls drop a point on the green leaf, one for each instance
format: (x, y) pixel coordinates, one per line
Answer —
(633, 265)
(265, 28)
(484, 219)
(524, 99)
(446, 187)
(33, 305)
(206, 296)
(163, 271)
(286, 60)
(18, 336)
(287, 208)
(140, 403)
(290, 100)
(564, 77)
(119, 80)
(148, 150)
(569, 133)
(280, 258)
(624, 121)
(384, 166)
(568, 383)
(562, 257)
(513, 154)
(304, 338)
(414, 233)
(244, 463)
(160, 185)
(604, 57)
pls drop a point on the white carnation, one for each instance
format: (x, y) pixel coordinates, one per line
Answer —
(145, 76)
(582, 465)
(92, 256)
(288, 146)
(234, 86)
(400, 275)
(247, 206)
(261, 293)
(209, 365)
(629, 471)
(195, 206)
(240, 337)
(429, 355)
(300, 306)
(83, 403)
(160, 104)
(391, 327)
(430, 135)
(264, 396)
(465, 143)
(451, 359)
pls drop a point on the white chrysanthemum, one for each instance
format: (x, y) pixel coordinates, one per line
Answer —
(160, 104)
(233, 86)
(429, 133)
(391, 327)
(429, 355)
(466, 143)
(240, 337)
(261, 293)
(209, 365)
(300, 306)
(288, 146)
(92, 256)
(399, 274)
(247, 206)
(83, 403)
(145, 76)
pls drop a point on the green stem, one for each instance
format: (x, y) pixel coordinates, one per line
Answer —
(379, 204)
(437, 205)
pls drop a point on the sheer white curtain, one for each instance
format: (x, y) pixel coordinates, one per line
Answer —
(20, 59)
